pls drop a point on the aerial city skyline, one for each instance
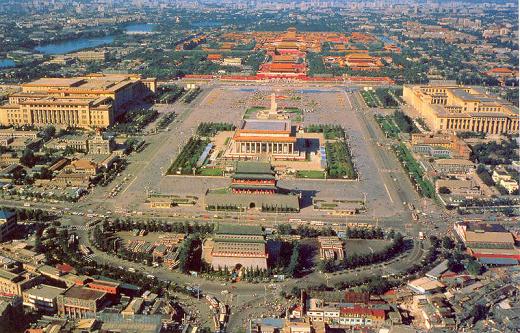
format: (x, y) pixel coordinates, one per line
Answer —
(253, 167)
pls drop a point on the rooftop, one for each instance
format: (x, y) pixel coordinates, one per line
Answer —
(45, 291)
(450, 161)
(54, 82)
(4, 274)
(237, 249)
(486, 227)
(267, 125)
(6, 214)
(234, 229)
(84, 293)
(253, 168)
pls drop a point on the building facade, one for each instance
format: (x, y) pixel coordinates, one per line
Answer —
(237, 246)
(451, 108)
(490, 243)
(7, 224)
(92, 101)
(331, 248)
(253, 178)
(14, 281)
(42, 298)
(253, 186)
(454, 166)
(80, 302)
(272, 138)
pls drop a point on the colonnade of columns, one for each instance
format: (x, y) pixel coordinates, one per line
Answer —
(492, 126)
(265, 147)
(68, 117)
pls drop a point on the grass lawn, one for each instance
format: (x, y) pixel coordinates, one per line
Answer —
(314, 174)
(211, 172)
(222, 190)
(388, 126)
(415, 170)
(249, 112)
(187, 159)
(370, 99)
(339, 161)
(293, 110)
(365, 246)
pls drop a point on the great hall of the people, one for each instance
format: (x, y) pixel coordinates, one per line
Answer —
(452, 108)
(91, 101)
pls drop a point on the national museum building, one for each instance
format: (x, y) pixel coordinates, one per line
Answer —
(452, 108)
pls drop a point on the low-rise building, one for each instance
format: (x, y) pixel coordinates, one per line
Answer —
(237, 246)
(426, 285)
(80, 302)
(111, 288)
(435, 311)
(76, 142)
(454, 166)
(14, 281)
(215, 57)
(503, 178)
(361, 316)
(42, 298)
(232, 62)
(11, 310)
(440, 145)
(462, 187)
(92, 55)
(98, 144)
(67, 179)
(83, 166)
(490, 243)
(331, 248)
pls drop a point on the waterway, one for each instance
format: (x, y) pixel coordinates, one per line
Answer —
(7, 63)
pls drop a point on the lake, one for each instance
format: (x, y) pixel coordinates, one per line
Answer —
(74, 45)
(6, 63)
(140, 28)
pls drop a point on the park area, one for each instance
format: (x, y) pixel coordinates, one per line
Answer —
(133, 121)
(415, 170)
(365, 246)
(339, 161)
(383, 97)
